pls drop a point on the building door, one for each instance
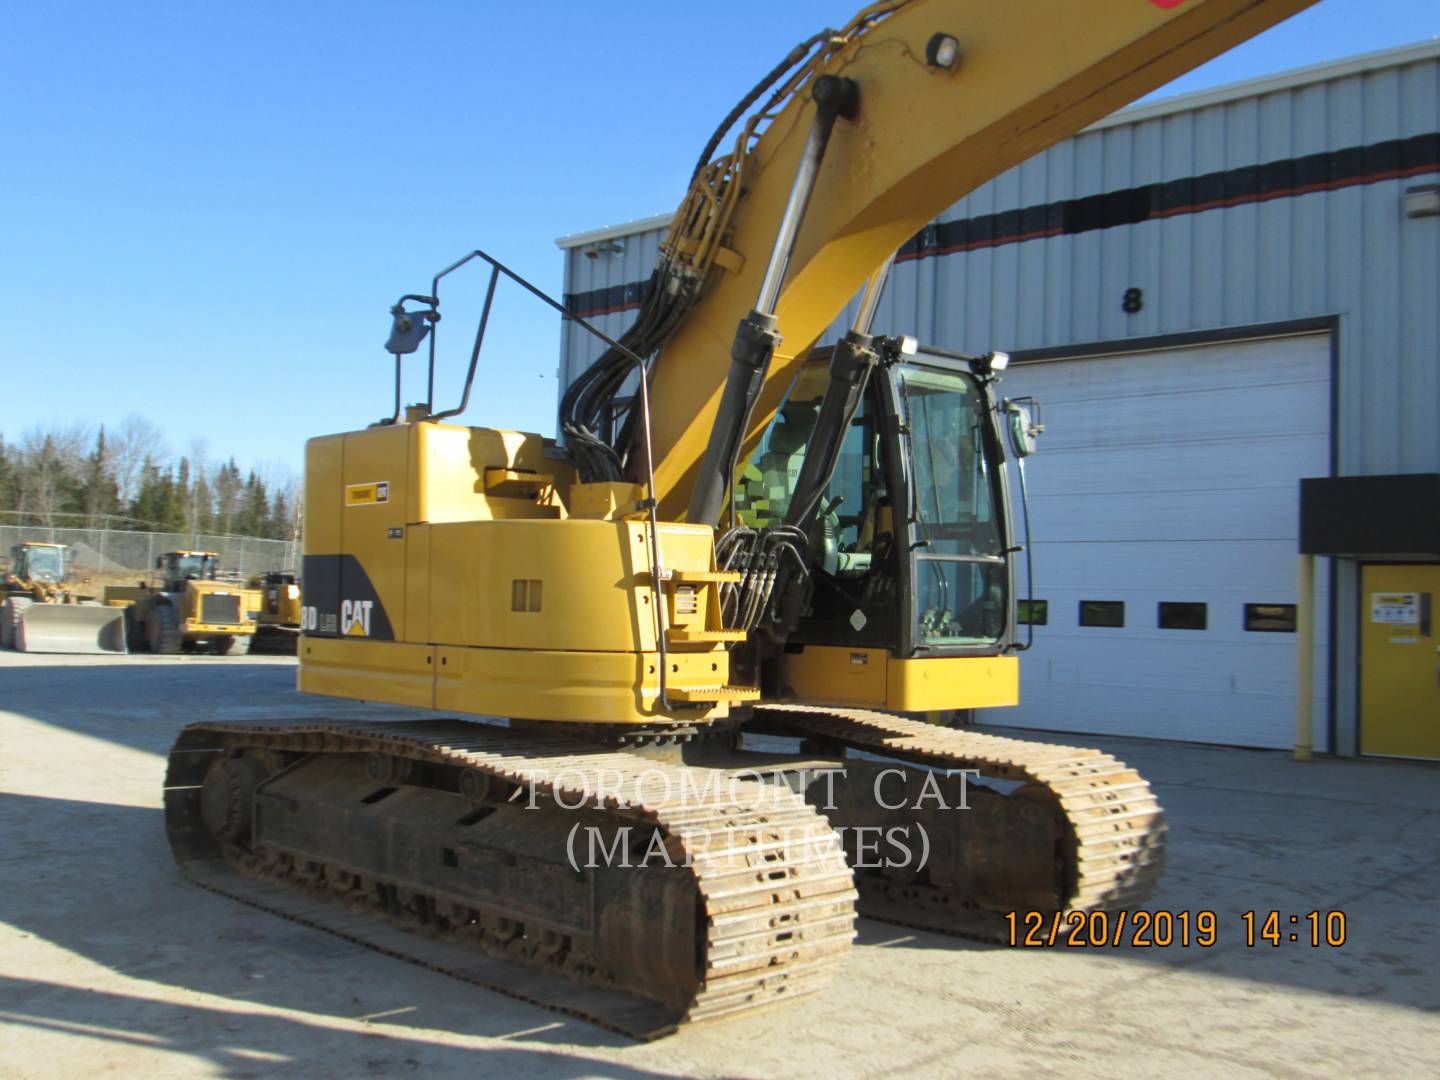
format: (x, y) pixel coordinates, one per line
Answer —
(1400, 661)
(1165, 502)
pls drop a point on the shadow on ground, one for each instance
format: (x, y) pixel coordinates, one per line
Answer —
(250, 1044)
(97, 881)
(143, 701)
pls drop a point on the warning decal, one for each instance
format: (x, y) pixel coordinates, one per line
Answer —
(367, 494)
(1395, 609)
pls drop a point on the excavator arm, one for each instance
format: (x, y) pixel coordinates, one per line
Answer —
(1024, 76)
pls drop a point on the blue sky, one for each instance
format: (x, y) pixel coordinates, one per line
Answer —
(206, 209)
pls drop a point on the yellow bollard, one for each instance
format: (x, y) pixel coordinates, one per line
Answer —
(1305, 659)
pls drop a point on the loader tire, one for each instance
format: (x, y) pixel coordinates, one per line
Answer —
(136, 639)
(163, 630)
(11, 613)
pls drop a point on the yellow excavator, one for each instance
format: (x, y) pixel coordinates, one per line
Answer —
(277, 624)
(700, 633)
(40, 613)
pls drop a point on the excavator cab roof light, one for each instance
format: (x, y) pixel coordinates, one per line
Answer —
(989, 364)
(942, 51)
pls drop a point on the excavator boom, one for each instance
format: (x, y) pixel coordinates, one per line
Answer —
(1027, 75)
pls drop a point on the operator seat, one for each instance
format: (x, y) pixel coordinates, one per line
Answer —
(785, 453)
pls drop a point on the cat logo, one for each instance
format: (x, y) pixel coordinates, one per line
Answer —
(355, 617)
(367, 494)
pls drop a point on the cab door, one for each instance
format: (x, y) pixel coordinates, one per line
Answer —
(1400, 660)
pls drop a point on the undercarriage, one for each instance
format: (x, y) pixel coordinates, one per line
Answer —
(661, 880)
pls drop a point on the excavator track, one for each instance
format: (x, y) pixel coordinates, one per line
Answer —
(1109, 829)
(753, 903)
(272, 640)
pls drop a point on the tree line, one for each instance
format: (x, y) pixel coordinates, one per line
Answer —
(126, 478)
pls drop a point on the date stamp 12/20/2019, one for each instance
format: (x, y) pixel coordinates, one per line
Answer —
(1162, 929)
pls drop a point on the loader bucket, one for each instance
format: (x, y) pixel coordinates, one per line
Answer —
(71, 628)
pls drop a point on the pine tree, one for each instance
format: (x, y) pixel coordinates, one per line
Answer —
(180, 495)
(202, 511)
(145, 507)
(81, 476)
(99, 493)
(279, 525)
(9, 478)
(228, 488)
(254, 511)
(141, 509)
(157, 506)
(182, 484)
(174, 498)
(49, 488)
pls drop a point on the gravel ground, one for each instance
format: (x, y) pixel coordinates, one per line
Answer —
(110, 963)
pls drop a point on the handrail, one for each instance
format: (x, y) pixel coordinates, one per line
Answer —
(649, 504)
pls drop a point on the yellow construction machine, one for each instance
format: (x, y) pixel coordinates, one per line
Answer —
(277, 625)
(189, 609)
(40, 613)
(702, 765)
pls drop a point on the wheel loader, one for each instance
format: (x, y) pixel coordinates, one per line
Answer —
(40, 613)
(189, 609)
(679, 657)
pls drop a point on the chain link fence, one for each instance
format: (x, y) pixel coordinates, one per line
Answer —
(113, 556)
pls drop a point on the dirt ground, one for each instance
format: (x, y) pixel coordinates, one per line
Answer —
(111, 964)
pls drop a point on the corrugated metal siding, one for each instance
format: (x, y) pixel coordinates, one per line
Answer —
(607, 270)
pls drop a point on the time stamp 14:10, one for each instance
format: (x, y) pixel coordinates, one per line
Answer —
(1161, 929)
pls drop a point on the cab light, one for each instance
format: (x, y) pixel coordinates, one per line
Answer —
(943, 52)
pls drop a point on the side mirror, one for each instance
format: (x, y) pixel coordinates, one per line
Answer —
(1023, 423)
(159, 562)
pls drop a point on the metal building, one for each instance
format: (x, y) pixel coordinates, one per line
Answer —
(1215, 297)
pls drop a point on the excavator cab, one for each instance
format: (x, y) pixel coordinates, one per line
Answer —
(909, 544)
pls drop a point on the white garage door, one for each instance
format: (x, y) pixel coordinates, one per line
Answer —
(1171, 478)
